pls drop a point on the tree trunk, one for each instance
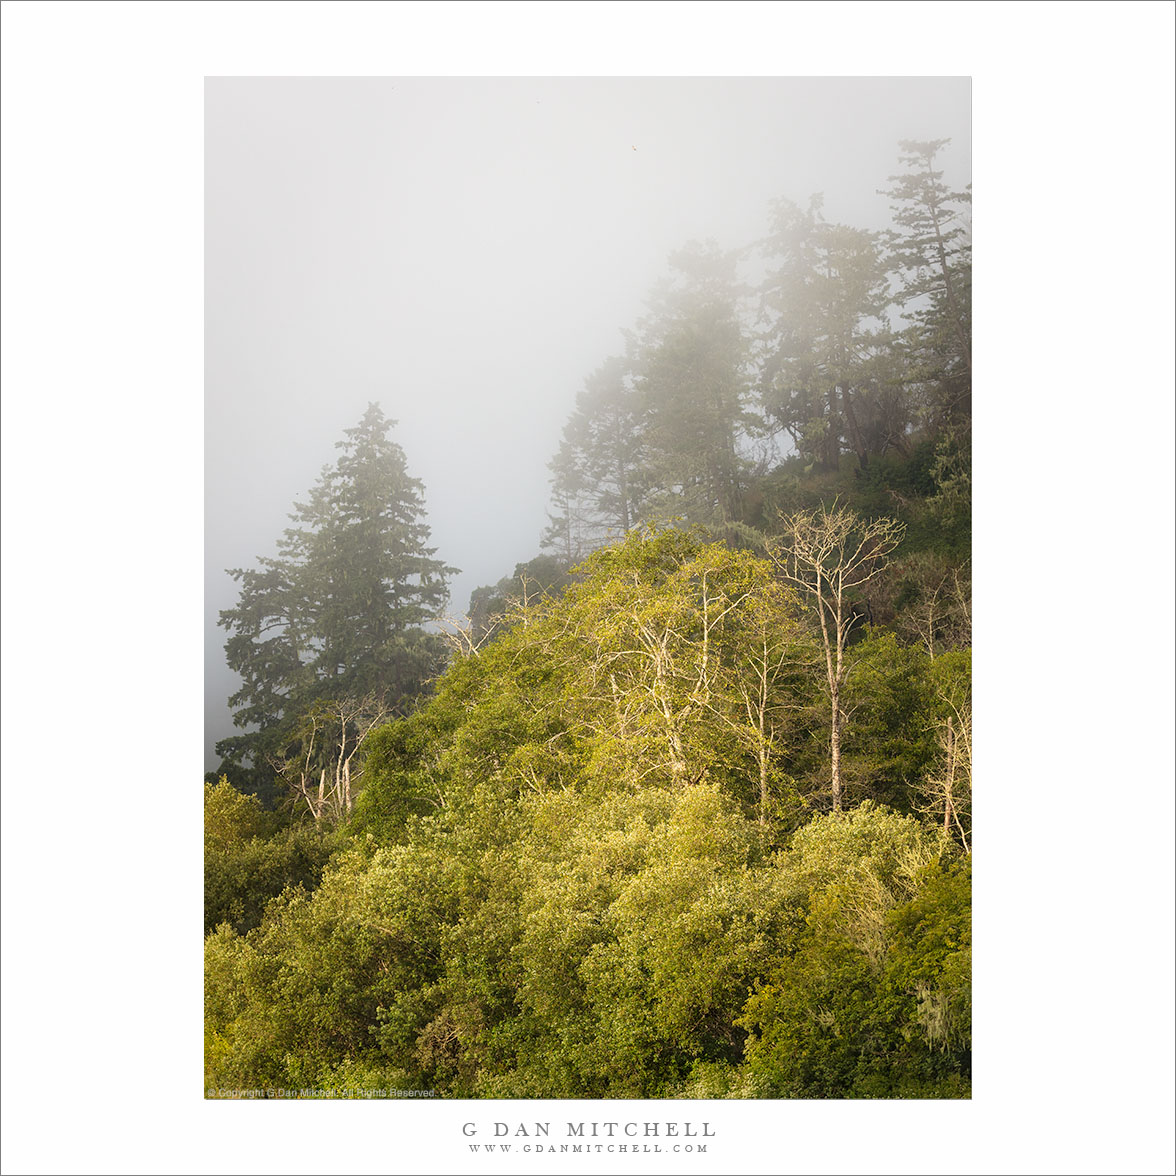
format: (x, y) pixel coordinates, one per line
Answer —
(855, 434)
(763, 769)
(947, 805)
(831, 447)
(835, 750)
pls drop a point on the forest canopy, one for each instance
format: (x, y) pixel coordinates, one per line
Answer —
(683, 807)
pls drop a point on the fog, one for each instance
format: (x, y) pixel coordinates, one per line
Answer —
(465, 252)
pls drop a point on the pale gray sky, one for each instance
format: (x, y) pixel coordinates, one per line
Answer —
(465, 252)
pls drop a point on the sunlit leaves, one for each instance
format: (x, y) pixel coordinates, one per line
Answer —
(564, 881)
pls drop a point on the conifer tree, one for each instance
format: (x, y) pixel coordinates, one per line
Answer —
(339, 612)
(692, 364)
(827, 377)
(596, 475)
(932, 253)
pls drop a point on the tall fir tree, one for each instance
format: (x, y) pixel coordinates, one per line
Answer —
(339, 612)
(931, 251)
(691, 358)
(828, 377)
(596, 475)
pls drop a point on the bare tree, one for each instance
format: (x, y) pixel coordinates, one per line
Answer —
(748, 702)
(462, 638)
(664, 655)
(324, 770)
(829, 554)
(465, 636)
(940, 614)
(947, 790)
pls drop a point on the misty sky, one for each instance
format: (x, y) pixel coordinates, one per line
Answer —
(465, 252)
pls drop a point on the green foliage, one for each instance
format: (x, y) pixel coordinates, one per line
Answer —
(596, 716)
(563, 883)
(952, 474)
(607, 954)
(897, 695)
(905, 488)
(231, 816)
(250, 857)
(643, 922)
(873, 1001)
(664, 664)
(304, 993)
(604, 946)
(926, 600)
(593, 863)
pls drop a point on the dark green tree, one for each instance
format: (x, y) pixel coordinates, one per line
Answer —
(339, 612)
(596, 475)
(932, 253)
(829, 378)
(492, 606)
(692, 364)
